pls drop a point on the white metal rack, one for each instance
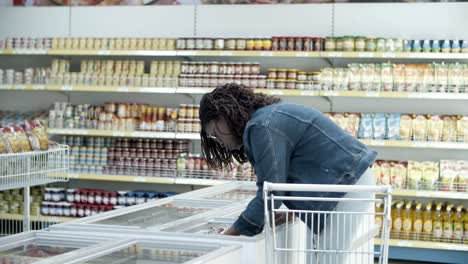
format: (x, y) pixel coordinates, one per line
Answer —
(23, 170)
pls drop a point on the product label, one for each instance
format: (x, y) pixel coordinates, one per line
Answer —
(418, 226)
(397, 224)
(407, 225)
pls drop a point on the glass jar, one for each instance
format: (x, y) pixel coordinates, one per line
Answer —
(360, 44)
(246, 69)
(181, 44)
(214, 67)
(253, 81)
(371, 44)
(255, 68)
(208, 44)
(231, 44)
(390, 45)
(318, 44)
(241, 44)
(261, 82)
(298, 44)
(300, 85)
(199, 44)
(275, 43)
(292, 74)
(272, 74)
(267, 43)
(250, 44)
(245, 81)
(238, 69)
(281, 74)
(339, 44)
(280, 84)
(258, 44)
(380, 45)
(219, 44)
(330, 44)
(348, 44)
(398, 44)
(290, 44)
(291, 84)
(283, 44)
(302, 76)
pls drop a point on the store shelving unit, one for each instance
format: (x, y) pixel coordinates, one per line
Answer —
(23, 170)
(203, 90)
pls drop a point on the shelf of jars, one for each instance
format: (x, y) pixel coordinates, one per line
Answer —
(203, 90)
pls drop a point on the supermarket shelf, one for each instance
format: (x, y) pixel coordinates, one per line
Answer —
(424, 244)
(430, 194)
(36, 218)
(238, 53)
(122, 178)
(415, 144)
(202, 90)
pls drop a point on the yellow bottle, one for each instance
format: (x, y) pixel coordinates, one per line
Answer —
(458, 224)
(418, 222)
(427, 222)
(397, 220)
(448, 223)
(437, 221)
(407, 217)
(378, 218)
(465, 224)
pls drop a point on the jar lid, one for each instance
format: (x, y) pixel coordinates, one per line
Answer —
(292, 70)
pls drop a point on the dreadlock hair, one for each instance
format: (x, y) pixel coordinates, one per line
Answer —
(236, 104)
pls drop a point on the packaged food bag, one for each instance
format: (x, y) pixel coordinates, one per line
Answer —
(366, 127)
(414, 174)
(379, 123)
(393, 126)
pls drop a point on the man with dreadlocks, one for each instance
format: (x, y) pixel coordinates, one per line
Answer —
(286, 143)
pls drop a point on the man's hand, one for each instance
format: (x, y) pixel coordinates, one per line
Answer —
(280, 218)
(231, 232)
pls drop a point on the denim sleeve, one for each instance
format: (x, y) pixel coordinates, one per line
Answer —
(271, 152)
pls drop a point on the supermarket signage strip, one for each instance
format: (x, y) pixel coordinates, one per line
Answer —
(239, 53)
(424, 244)
(196, 136)
(161, 180)
(430, 194)
(201, 90)
(36, 218)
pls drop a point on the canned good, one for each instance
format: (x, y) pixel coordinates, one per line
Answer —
(219, 44)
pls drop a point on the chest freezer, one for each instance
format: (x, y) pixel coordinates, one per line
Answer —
(36, 246)
(155, 250)
(225, 193)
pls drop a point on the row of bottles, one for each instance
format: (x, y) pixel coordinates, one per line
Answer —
(439, 222)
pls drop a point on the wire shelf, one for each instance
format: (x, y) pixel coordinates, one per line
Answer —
(34, 168)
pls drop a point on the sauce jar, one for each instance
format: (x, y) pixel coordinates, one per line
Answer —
(290, 84)
(301, 76)
(231, 44)
(292, 74)
(281, 74)
(348, 43)
(290, 44)
(219, 44)
(283, 44)
(280, 84)
(241, 44)
(298, 44)
(261, 80)
(272, 74)
(360, 44)
(330, 44)
(275, 43)
(250, 44)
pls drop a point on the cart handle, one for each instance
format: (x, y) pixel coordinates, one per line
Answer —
(288, 187)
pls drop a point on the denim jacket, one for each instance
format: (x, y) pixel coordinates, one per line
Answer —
(288, 143)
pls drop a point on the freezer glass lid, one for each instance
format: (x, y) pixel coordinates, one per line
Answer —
(147, 254)
(32, 251)
(153, 216)
(233, 195)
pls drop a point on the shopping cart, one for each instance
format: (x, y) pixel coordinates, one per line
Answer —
(344, 235)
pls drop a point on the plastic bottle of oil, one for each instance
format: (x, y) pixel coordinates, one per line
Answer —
(448, 223)
(465, 224)
(458, 224)
(437, 221)
(378, 218)
(398, 220)
(407, 217)
(427, 222)
(417, 221)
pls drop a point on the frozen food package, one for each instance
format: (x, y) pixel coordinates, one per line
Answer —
(406, 127)
(385, 173)
(14, 144)
(340, 120)
(377, 86)
(393, 126)
(449, 131)
(455, 77)
(463, 175)
(352, 126)
(367, 76)
(420, 128)
(387, 77)
(410, 78)
(379, 124)
(441, 77)
(354, 77)
(398, 174)
(462, 129)
(435, 126)
(399, 77)
(376, 171)
(430, 171)
(366, 127)
(429, 78)
(448, 175)
(326, 78)
(414, 174)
